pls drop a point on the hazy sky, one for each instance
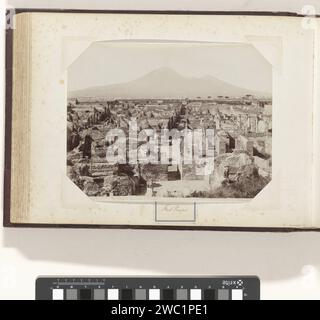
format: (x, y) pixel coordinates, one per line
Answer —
(105, 63)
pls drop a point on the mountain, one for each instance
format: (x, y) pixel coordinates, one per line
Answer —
(166, 83)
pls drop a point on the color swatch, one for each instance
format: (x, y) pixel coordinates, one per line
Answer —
(174, 288)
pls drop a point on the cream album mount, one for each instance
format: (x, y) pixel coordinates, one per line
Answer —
(172, 120)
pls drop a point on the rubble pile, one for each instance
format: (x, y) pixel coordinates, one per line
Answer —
(242, 146)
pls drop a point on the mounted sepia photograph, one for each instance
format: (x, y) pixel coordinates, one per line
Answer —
(169, 119)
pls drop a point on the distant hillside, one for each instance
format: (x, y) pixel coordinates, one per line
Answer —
(166, 83)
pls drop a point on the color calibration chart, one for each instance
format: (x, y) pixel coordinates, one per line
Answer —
(148, 288)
